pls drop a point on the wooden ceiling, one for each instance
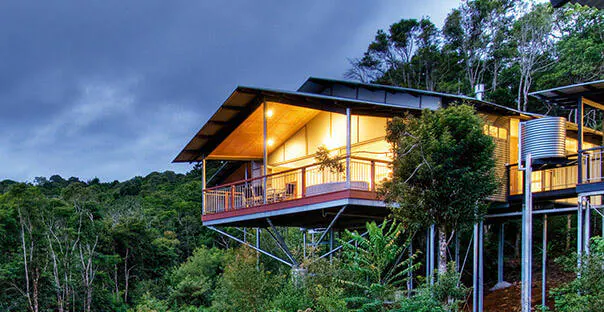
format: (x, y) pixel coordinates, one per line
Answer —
(245, 142)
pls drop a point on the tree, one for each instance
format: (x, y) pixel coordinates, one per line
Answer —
(532, 32)
(443, 171)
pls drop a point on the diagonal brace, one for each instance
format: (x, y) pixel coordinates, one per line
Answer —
(330, 225)
(250, 246)
(280, 241)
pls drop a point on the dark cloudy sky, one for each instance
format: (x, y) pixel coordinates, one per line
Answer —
(113, 89)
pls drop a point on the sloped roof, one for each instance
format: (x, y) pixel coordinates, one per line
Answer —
(245, 100)
(567, 96)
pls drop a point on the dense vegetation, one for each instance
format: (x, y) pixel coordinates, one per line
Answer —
(138, 245)
(510, 46)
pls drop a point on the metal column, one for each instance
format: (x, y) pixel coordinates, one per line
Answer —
(500, 247)
(258, 248)
(331, 240)
(527, 237)
(264, 149)
(580, 231)
(431, 253)
(586, 225)
(203, 184)
(475, 270)
(480, 266)
(348, 146)
(544, 264)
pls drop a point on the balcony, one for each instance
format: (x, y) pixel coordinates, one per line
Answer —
(295, 187)
(561, 181)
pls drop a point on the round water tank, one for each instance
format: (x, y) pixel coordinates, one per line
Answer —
(544, 138)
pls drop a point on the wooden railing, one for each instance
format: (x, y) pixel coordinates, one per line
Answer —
(365, 174)
(562, 177)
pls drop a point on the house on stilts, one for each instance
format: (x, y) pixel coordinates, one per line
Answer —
(265, 141)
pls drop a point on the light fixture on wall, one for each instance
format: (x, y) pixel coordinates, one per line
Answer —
(269, 113)
(270, 142)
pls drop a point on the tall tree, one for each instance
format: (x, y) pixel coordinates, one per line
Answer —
(532, 33)
(443, 171)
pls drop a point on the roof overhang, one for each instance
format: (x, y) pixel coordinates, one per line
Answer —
(592, 3)
(568, 96)
(245, 100)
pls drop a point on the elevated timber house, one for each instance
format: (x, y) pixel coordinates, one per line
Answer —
(266, 140)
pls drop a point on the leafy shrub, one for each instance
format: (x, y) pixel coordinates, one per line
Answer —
(586, 292)
(194, 281)
(242, 286)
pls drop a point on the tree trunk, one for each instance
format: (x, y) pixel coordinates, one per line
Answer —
(442, 251)
(36, 296)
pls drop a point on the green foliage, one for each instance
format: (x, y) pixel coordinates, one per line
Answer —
(326, 161)
(378, 264)
(242, 286)
(586, 292)
(508, 45)
(443, 169)
(194, 281)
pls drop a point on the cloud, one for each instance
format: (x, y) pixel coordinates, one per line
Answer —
(113, 89)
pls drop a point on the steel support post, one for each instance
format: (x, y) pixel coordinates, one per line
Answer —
(580, 139)
(258, 248)
(587, 225)
(427, 253)
(580, 231)
(431, 252)
(527, 237)
(264, 150)
(480, 266)
(203, 184)
(500, 247)
(304, 242)
(331, 239)
(348, 145)
(544, 264)
(475, 270)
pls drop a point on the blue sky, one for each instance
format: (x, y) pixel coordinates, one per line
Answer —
(114, 89)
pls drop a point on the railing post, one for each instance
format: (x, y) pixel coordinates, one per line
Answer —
(303, 182)
(509, 181)
(232, 197)
(587, 168)
(373, 176)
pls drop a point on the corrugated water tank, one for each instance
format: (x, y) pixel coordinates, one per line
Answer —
(544, 138)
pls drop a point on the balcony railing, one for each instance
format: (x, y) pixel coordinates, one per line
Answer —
(561, 177)
(592, 165)
(365, 174)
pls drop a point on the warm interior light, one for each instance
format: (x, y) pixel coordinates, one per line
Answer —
(269, 113)
(270, 142)
(330, 142)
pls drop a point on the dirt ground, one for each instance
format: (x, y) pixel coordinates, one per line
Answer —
(508, 299)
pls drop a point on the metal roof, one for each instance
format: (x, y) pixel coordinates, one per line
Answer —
(245, 100)
(567, 96)
(311, 86)
(592, 3)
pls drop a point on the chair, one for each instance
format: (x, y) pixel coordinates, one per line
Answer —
(290, 190)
